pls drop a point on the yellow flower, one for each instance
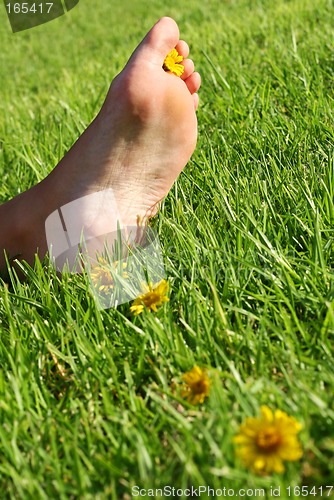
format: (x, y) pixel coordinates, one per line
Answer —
(265, 442)
(197, 385)
(151, 299)
(101, 275)
(172, 63)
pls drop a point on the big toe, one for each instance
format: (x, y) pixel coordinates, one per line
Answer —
(158, 42)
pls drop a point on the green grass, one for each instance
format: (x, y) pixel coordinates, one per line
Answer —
(247, 235)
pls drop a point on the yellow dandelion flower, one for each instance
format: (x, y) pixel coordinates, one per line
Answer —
(102, 277)
(263, 443)
(197, 386)
(152, 298)
(172, 63)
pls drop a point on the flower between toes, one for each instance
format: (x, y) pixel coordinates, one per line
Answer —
(172, 63)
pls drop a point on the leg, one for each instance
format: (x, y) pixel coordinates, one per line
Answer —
(138, 144)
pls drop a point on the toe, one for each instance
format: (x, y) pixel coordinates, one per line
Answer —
(193, 82)
(183, 48)
(188, 68)
(196, 99)
(158, 42)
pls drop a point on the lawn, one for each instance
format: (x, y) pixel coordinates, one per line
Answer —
(91, 401)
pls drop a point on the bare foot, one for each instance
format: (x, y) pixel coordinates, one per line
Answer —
(144, 134)
(138, 144)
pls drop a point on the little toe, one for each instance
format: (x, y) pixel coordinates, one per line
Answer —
(196, 99)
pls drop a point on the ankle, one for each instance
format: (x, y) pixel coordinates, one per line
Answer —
(22, 231)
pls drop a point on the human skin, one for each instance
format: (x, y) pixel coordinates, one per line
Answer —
(137, 145)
